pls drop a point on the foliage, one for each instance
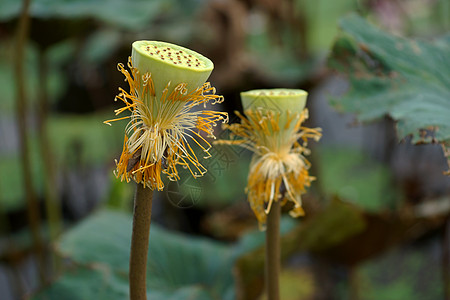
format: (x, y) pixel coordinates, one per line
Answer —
(178, 267)
(354, 177)
(225, 181)
(75, 139)
(342, 219)
(11, 186)
(127, 14)
(405, 79)
(418, 275)
(322, 18)
(408, 80)
(55, 80)
(72, 139)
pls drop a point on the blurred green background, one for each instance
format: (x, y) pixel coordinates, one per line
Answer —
(377, 220)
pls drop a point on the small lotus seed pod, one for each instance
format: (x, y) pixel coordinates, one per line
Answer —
(283, 105)
(281, 100)
(170, 63)
(272, 128)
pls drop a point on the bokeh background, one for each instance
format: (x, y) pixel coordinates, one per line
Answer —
(377, 223)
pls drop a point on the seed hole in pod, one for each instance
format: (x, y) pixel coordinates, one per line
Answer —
(175, 62)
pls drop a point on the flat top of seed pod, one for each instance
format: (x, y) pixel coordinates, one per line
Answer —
(275, 99)
(174, 55)
(275, 93)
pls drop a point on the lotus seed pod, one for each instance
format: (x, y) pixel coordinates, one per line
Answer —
(167, 62)
(273, 129)
(167, 91)
(281, 100)
(285, 104)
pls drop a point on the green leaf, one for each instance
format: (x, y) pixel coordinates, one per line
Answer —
(408, 80)
(352, 176)
(12, 190)
(100, 45)
(255, 239)
(179, 267)
(343, 220)
(418, 275)
(85, 138)
(84, 283)
(280, 63)
(297, 284)
(322, 17)
(129, 14)
(223, 184)
(225, 181)
(55, 81)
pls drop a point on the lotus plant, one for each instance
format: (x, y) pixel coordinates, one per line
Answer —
(166, 101)
(272, 128)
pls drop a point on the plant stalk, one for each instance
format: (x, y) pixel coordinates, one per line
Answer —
(52, 204)
(273, 252)
(139, 242)
(33, 213)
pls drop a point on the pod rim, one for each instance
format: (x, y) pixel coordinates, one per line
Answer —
(148, 49)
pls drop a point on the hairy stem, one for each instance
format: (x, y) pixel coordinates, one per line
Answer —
(32, 204)
(139, 242)
(273, 252)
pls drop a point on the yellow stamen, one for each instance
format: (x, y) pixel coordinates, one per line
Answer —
(159, 129)
(278, 158)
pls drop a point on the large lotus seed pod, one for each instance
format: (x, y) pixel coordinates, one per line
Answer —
(166, 84)
(167, 62)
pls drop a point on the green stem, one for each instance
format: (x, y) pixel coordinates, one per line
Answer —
(273, 252)
(32, 204)
(52, 205)
(139, 242)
